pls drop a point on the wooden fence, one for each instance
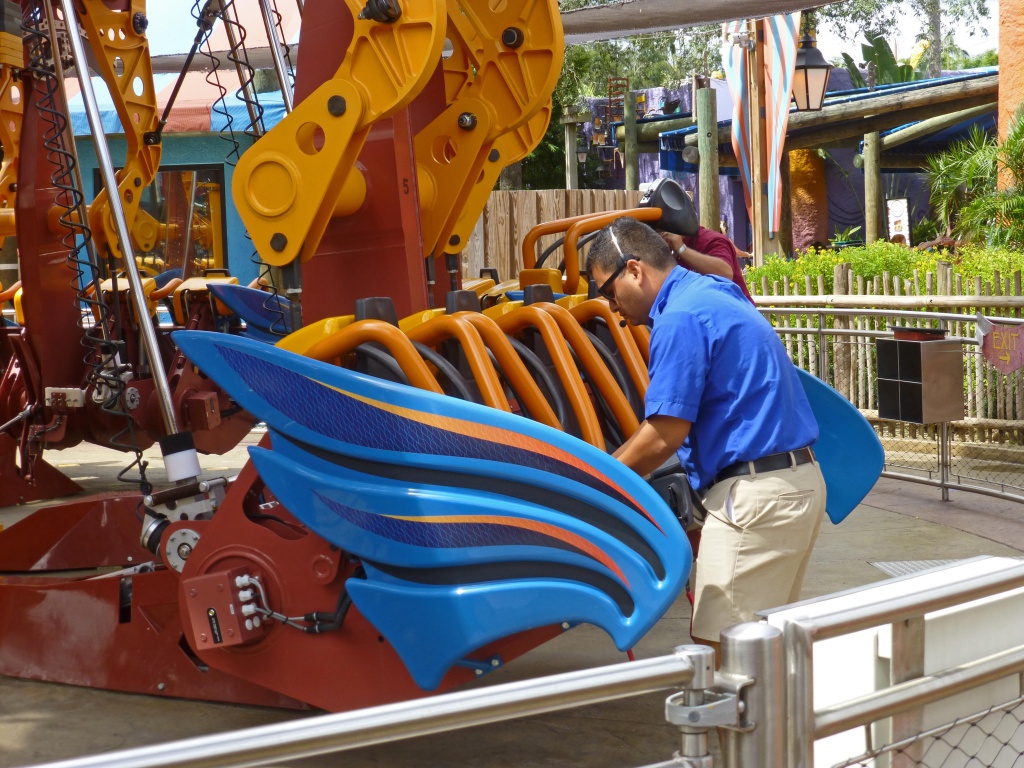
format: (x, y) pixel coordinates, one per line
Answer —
(498, 235)
(994, 401)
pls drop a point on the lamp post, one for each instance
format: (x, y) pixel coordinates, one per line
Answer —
(810, 77)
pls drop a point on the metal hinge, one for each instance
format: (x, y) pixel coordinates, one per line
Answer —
(722, 706)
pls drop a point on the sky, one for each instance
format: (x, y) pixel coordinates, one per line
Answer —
(904, 40)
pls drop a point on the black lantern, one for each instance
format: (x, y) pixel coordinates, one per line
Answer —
(810, 76)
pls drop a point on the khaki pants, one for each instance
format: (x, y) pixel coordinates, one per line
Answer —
(755, 545)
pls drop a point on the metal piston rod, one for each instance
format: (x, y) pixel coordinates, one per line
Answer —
(278, 55)
(106, 167)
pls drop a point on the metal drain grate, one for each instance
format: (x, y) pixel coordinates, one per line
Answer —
(905, 567)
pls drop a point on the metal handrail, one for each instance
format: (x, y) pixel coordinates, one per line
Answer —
(326, 734)
(800, 633)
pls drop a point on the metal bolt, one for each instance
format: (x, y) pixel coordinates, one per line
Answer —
(467, 121)
(192, 593)
(454, 240)
(478, 672)
(161, 686)
(494, 156)
(131, 559)
(138, 182)
(336, 106)
(184, 550)
(231, 632)
(565, 625)
(202, 638)
(278, 242)
(495, 663)
(220, 587)
(384, 11)
(512, 37)
(140, 23)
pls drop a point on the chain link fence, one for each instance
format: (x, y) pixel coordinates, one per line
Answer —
(982, 452)
(993, 738)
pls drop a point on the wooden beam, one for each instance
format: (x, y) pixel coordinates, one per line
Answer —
(880, 113)
(651, 131)
(834, 134)
(575, 118)
(907, 162)
(933, 124)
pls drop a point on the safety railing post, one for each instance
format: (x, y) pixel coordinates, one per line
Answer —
(753, 656)
(944, 459)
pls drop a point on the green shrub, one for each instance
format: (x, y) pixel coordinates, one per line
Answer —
(880, 257)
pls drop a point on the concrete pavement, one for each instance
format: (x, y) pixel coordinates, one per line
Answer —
(898, 523)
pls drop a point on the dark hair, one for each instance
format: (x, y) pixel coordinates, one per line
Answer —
(636, 240)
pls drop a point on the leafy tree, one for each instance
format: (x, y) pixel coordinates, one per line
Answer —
(887, 70)
(874, 17)
(965, 192)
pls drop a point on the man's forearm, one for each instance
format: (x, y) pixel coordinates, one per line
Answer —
(653, 444)
(703, 263)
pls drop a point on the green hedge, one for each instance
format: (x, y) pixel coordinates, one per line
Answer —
(879, 257)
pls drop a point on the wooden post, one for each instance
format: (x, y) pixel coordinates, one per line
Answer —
(872, 188)
(630, 147)
(572, 179)
(571, 121)
(706, 109)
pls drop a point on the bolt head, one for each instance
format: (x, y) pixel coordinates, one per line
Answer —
(454, 240)
(336, 106)
(512, 37)
(467, 121)
(279, 242)
(494, 156)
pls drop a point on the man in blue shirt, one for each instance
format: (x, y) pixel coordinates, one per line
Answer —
(725, 397)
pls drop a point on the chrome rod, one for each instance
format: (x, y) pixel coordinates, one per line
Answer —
(106, 167)
(297, 739)
(277, 54)
(917, 692)
(917, 604)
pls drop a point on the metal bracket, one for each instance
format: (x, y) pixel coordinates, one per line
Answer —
(481, 667)
(722, 706)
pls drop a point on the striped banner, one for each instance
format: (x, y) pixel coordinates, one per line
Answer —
(735, 61)
(780, 36)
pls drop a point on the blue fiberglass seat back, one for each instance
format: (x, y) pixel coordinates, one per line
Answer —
(472, 524)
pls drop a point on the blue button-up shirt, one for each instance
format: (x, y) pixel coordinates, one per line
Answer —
(717, 363)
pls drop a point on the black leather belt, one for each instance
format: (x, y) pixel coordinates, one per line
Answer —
(770, 463)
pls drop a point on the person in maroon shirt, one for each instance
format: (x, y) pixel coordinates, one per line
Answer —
(710, 253)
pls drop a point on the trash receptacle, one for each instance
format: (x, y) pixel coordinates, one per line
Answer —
(920, 376)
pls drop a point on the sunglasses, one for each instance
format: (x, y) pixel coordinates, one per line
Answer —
(605, 289)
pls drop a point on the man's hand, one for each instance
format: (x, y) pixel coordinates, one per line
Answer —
(695, 260)
(653, 443)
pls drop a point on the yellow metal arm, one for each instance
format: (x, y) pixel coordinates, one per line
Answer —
(119, 43)
(302, 173)
(506, 61)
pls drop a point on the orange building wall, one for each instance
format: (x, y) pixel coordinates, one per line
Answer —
(808, 196)
(1011, 60)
